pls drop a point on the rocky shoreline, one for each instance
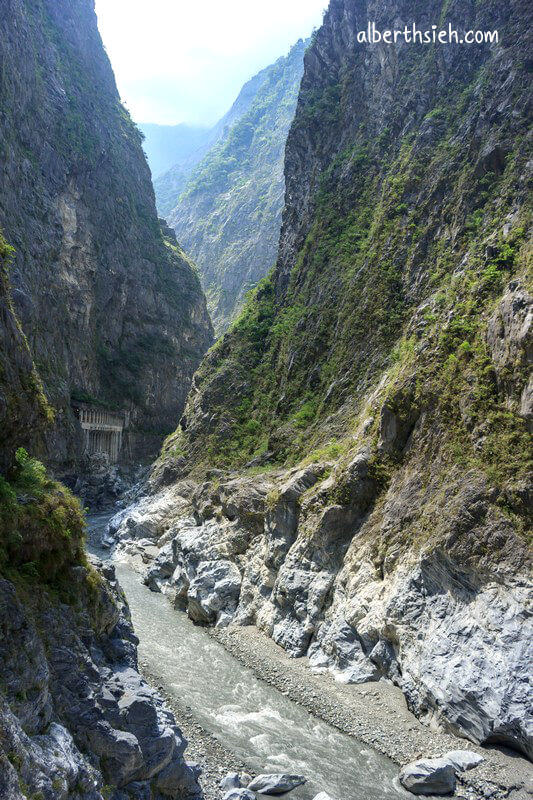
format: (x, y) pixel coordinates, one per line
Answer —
(376, 714)
(205, 547)
(262, 551)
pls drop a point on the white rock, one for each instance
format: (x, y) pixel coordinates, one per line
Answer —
(462, 760)
(230, 781)
(428, 776)
(275, 783)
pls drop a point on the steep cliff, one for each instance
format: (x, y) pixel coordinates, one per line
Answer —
(387, 358)
(24, 411)
(113, 312)
(76, 718)
(170, 185)
(228, 215)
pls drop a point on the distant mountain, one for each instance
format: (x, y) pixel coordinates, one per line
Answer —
(170, 184)
(166, 145)
(226, 210)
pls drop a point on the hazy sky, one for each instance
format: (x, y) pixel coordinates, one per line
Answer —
(185, 60)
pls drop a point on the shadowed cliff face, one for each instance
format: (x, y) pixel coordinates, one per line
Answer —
(24, 411)
(76, 718)
(111, 309)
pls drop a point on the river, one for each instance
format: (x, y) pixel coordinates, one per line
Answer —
(258, 723)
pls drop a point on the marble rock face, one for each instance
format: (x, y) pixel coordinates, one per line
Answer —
(109, 726)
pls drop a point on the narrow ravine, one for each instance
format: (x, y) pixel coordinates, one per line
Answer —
(259, 724)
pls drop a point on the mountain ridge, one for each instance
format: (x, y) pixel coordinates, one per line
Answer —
(228, 215)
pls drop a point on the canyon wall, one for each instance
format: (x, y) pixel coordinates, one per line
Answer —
(89, 294)
(111, 307)
(228, 214)
(352, 472)
(76, 718)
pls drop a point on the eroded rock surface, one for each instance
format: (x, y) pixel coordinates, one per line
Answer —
(75, 714)
(99, 286)
(429, 777)
(265, 551)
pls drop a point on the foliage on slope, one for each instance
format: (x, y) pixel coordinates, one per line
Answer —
(42, 527)
(24, 410)
(41, 524)
(405, 263)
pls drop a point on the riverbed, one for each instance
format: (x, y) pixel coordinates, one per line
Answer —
(262, 727)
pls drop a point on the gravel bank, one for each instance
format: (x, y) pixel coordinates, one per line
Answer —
(375, 713)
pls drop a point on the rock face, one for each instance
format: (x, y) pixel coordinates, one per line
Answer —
(228, 214)
(76, 718)
(111, 308)
(431, 776)
(388, 357)
(24, 411)
(271, 553)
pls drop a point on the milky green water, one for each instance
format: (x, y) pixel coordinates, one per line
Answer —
(260, 725)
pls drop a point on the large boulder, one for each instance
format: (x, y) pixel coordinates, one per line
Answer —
(429, 776)
(214, 590)
(162, 568)
(275, 783)
(462, 760)
(179, 778)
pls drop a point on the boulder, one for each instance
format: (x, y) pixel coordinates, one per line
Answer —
(214, 589)
(462, 760)
(239, 794)
(162, 568)
(428, 776)
(275, 783)
(178, 779)
(323, 796)
(119, 751)
(230, 781)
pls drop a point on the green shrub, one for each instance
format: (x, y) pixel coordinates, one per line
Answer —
(42, 526)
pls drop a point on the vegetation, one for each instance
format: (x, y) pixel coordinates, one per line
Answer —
(42, 526)
(228, 216)
(402, 268)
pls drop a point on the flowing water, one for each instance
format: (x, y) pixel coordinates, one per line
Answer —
(260, 725)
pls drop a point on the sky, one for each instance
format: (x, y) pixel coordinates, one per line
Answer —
(186, 60)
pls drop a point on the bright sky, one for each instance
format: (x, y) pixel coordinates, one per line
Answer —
(186, 60)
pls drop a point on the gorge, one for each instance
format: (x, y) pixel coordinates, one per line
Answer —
(328, 563)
